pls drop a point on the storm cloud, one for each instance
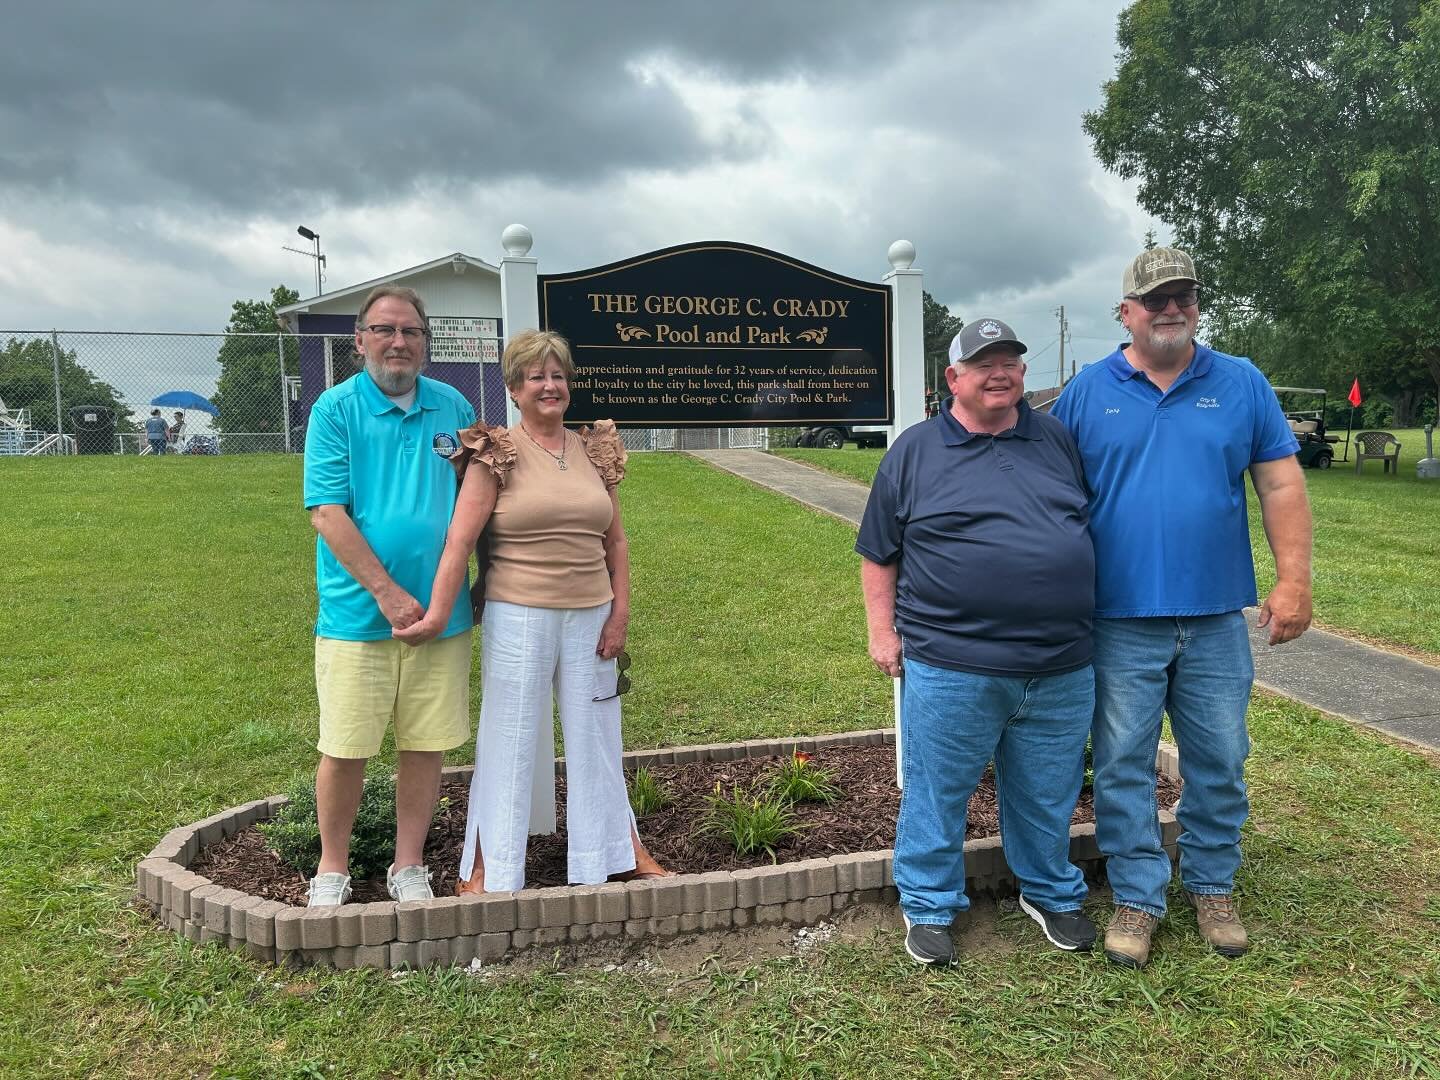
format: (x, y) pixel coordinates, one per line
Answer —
(154, 158)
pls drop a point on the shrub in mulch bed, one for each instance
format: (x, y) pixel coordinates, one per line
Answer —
(861, 819)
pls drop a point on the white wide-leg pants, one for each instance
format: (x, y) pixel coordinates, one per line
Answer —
(528, 655)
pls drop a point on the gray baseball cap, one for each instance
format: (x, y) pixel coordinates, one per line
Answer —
(1156, 267)
(981, 334)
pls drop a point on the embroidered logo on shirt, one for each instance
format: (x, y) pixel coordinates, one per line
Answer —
(1207, 403)
(445, 445)
(1111, 412)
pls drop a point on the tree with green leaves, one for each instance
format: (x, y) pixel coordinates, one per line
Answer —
(27, 381)
(1294, 148)
(249, 391)
(940, 327)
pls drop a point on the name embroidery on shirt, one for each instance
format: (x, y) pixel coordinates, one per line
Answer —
(1207, 403)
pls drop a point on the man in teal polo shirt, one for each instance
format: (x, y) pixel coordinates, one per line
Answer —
(1167, 429)
(380, 490)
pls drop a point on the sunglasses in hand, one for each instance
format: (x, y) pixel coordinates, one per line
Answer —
(622, 680)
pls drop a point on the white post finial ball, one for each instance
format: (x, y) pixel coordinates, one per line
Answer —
(516, 240)
(901, 254)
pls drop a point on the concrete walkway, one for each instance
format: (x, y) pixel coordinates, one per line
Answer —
(1365, 685)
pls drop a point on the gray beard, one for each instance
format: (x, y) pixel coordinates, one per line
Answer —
(1170, 343)
(393, 383)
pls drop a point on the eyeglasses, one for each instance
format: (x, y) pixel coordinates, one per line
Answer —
(1157, 302)
(622, 681)
(413, 334)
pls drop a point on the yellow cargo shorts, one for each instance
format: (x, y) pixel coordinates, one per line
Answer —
(365, 685)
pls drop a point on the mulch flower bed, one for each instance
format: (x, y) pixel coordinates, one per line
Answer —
(862, 819)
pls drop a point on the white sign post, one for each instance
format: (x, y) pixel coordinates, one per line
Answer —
(908, 336)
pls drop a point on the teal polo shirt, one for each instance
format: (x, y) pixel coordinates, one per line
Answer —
(390, 469)
(1166, 473)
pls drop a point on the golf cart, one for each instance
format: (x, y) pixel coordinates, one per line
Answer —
(1307, 421)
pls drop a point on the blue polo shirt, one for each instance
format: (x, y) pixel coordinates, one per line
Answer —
(390, 469)
(1167, 480)
(996, 575)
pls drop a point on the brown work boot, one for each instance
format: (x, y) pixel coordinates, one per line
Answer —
(1127, 938)
(1219, 922)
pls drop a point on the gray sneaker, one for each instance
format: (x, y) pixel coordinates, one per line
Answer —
(409, 883)
(929, 944)
(328, 890)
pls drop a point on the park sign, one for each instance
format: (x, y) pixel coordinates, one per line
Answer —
(722, 334)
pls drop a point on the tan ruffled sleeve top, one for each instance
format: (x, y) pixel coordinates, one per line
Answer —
(547, 532)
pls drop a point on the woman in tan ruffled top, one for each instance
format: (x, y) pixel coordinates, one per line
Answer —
(556, 610)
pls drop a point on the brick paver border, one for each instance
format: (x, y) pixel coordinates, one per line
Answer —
(496, 926)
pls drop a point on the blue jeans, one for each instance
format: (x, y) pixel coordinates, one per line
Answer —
(157, 446)
(954, 722)
(1199, 670)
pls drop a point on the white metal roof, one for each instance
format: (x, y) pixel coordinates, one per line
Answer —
(400, 275)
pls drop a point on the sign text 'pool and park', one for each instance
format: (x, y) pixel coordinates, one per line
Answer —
(722, 334)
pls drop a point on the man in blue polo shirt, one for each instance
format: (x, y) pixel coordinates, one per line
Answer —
(978, 577)
(1167, 429)
(380, 490)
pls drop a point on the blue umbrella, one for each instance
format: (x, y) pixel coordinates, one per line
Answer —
(186, 399)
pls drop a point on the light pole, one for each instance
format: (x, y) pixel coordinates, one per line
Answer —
(310, 234)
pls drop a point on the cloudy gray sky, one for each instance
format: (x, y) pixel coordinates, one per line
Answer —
(154, 158)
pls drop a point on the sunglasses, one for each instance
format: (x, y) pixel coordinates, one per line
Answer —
(1157, 302)
(622, 680)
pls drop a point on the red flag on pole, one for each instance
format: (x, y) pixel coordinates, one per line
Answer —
(1355, 397)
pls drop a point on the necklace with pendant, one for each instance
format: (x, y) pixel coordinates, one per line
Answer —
(559, 458)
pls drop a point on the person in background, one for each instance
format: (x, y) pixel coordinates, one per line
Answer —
(156, 431)
(173, 433)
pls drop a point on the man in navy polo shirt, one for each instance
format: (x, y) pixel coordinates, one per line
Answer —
(381, 490)
(1167, 429)
(979, 579)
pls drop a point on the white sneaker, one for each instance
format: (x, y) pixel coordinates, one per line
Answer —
(329, 890)
(408, 883)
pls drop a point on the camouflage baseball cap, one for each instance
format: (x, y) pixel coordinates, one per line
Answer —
(981, 334)
(1156, 267)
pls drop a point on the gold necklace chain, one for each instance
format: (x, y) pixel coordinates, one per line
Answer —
(560, 457)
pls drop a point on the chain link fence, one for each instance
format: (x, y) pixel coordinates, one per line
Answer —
(93, 392)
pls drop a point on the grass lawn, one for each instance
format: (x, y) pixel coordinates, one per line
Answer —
(157, 668)
(1377, 543)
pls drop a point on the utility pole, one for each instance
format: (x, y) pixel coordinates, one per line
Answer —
(1064, 329)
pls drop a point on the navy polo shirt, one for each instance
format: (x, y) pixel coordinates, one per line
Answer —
(1167, 480)
(996, 574)
(390, 468)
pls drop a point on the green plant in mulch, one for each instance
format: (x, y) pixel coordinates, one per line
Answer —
(294, 833)
(647, 794)
(751, 821)
(798, 780)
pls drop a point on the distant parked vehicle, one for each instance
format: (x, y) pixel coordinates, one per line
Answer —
(834, 436)
(1307, 421)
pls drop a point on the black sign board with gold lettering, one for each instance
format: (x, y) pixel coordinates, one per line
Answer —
(719, 333)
